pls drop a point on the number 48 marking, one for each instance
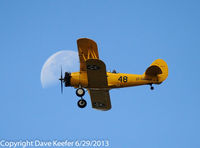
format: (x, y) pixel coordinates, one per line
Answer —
(123, 79)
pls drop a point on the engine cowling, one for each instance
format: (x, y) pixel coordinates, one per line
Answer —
(67, 79)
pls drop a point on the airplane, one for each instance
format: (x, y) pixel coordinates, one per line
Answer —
(94, 77)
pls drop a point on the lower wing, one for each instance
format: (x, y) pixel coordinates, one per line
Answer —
(100, 99)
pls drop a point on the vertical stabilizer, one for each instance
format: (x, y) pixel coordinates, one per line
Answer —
(158, 69)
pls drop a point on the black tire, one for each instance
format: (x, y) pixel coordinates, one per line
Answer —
(80, 92)
(82, 103)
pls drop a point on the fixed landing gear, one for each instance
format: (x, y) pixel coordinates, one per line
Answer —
(151, 87)
(80, 92)
(82, 103)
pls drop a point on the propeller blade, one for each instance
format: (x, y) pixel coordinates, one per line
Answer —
(61, 87)
(61, 81)
(61, 73)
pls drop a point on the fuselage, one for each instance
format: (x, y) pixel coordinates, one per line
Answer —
(115, 80)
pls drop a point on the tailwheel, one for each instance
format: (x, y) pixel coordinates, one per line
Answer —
(82, 103)
(80, 92)
(151, 87)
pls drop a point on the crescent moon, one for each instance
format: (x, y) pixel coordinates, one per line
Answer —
(51, 69)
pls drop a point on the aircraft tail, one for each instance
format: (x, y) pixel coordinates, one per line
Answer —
(157, 71)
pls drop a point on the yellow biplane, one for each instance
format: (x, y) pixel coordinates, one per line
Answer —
(94, 77)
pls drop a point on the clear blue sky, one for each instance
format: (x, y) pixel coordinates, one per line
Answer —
(130, 36)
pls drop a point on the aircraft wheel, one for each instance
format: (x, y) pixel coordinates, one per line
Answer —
(152, 88)
(82, 103)
(80, 92)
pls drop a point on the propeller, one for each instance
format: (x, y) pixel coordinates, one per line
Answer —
(61, 80)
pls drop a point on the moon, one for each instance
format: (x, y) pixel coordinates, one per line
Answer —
(51, 69)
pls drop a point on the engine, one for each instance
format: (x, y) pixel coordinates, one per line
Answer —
(67, 79)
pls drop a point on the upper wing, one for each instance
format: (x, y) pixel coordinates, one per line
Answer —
(87, 49)
(96, 73)
(100, 99)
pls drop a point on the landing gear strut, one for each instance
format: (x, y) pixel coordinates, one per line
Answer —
(80, 92)
(151, 87)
